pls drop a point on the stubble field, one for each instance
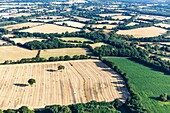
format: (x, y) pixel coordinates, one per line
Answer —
(163, 25)
(121, 17)
(16, 53)
(82, 19)
(2, 42)
(97, 44)
(24, 40)
(50, 28)
(63, 51)
(99, 26)
(71, 23)
(79, 82)
(17, 26)
(143, 32)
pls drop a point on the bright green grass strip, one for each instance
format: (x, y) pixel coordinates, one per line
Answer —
(147, 82)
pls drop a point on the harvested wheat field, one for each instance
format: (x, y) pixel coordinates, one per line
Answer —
(165, 58)
(132, 24)
(106, 31)
(143, 32)
(75, 38)
(8, 36)
(82, 18)
(121, 17)
(165, 43)
(79, 82)
(99, 26)
(24, 40)
(47, 18)
(50, 28)
(2, 42)
(15, 53)
(163, 25)
(17, 15)
(63, 51)
(110, 21)
(97, 44)
(113, 14)
(17, 26)
(151, 17)
(71, 23)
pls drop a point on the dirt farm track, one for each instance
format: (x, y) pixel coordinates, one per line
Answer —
(80, 81)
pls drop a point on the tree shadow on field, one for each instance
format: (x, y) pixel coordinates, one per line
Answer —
(123, 91)
(99, 64)
(155, 98)
(20, 84)
(104, 67)
(109, 70)
(51, 70)
(117, 77)
(120, 82)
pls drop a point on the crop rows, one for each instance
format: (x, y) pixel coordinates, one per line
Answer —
(80, 81)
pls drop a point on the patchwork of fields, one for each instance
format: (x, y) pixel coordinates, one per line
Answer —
(147, 82)
(61, 25)
(79, 82)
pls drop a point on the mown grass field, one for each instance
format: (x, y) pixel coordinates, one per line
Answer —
(148, 83)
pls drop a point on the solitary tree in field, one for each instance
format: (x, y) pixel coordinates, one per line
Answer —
(163, 97)
(31, 81)
(60, 67)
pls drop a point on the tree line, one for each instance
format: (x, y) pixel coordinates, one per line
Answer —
(141, 25)
(50, 44)
(133, 103)
(89, 107)
(50, 59)
(76, 41)
(164, 97)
